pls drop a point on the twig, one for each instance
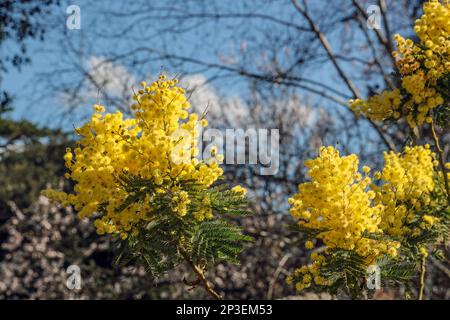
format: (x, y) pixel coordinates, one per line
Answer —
(440, 266)
(441, 160)
(422, 276)
(276, 275)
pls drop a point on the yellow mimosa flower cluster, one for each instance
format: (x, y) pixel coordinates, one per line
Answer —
(336, 201)
(407, 181)
(421, 65)
(159, 144)
(433, 30)
(379, 107)
(343, 206)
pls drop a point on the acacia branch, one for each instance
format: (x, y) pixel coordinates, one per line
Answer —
(201, 277)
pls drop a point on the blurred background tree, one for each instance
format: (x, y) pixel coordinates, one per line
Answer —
(29, 154)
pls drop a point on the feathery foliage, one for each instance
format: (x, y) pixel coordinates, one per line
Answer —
(168, 239)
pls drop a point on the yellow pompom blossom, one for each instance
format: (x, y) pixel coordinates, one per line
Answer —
(309, 274)
(433, 31)
(379, 107)
(338, 205)
(337, 201)
(423, 251)
(421, 65)
(407, 181)
(403, 207)
(159, 143)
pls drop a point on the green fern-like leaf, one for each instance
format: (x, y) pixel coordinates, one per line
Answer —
(217, 240)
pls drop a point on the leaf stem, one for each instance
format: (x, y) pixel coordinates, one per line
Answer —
(422, 276)
(201, 277)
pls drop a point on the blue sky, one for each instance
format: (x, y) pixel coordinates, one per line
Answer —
(50, 53)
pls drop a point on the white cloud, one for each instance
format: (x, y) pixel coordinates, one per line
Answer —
(110, 80)
(220, 110)
(113, 79)
(104, 80)
(202, 95)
